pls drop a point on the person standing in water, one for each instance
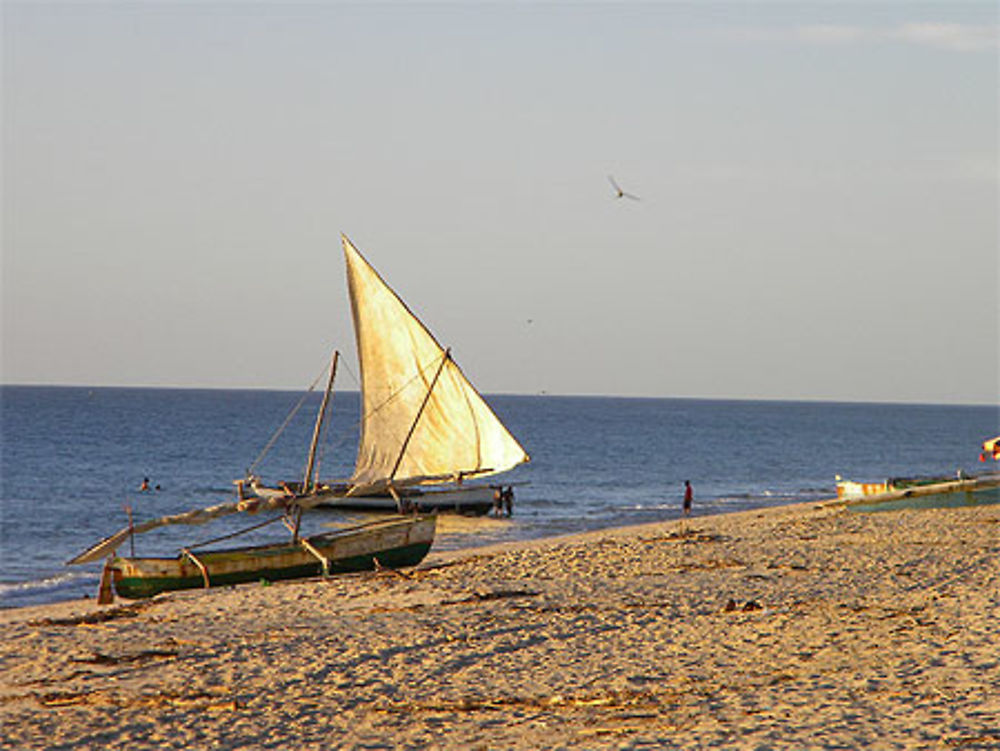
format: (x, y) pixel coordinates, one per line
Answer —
(688, 497)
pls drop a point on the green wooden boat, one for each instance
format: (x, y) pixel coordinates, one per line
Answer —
(391, 543)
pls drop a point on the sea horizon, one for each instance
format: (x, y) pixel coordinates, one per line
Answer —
(547, 394)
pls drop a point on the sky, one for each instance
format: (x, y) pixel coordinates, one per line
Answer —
(818, 184)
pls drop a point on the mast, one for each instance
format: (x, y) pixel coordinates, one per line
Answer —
(308, 484)
(416, 419)
(413, 426)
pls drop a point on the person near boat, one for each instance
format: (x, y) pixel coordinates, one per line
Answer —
(503, 501)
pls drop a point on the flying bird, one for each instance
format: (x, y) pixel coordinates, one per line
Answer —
(619, 193)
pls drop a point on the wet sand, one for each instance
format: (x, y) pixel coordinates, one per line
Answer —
(795, 627)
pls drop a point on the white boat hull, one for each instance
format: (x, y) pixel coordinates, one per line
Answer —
(474, 499)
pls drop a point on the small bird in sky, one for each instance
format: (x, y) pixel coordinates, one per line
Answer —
(619, 193)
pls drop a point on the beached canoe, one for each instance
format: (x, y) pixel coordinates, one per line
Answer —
(978, 488)
(392, 543)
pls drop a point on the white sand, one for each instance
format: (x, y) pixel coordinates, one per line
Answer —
(795, 627)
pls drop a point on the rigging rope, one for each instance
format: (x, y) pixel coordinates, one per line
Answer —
(347, 367)
(237, 533)
(357, 425)
(388, 399)
(320, 447)
(403, 388)
(277, 434)
(281, 428)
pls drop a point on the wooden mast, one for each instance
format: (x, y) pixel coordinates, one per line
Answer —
(308, 484)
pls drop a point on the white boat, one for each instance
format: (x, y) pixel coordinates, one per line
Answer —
(475, 499)
(897, 488)
(426, 432)
(849, 489)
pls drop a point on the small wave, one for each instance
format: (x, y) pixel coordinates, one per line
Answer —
(547, 502)
(771, 496)
(653, 507)
(50, 589)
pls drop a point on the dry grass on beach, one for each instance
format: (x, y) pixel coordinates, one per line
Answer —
(796, 627)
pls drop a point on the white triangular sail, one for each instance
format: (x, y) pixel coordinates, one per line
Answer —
(422, 421)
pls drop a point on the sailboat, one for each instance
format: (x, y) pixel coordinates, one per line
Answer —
(424, 426)
(425, 430)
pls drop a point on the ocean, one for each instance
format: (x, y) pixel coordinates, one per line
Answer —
(72, 460)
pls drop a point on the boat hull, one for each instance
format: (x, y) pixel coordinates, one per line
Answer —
(945, 499)
(475, 499)
(394, 543)
(849, 490)
(979, 489)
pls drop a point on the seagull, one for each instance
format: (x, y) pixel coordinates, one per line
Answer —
(619, 193)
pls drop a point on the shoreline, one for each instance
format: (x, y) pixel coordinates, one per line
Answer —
(795, 626)
(434, 558)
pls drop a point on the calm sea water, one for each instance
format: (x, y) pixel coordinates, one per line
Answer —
(73, 459)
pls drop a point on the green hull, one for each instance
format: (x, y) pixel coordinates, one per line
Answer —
(954, 499)
(394, 544)
(977, 489)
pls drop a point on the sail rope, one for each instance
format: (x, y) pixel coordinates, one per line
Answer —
(237, 533)
(321, 441)
(281, 428)
(401, 389)
(393, 395)
(322, 446)
(346, 366)
(291, 415)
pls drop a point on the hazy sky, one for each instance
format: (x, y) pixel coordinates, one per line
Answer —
(819, 185)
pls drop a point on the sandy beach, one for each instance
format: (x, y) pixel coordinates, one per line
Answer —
(794, 627)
